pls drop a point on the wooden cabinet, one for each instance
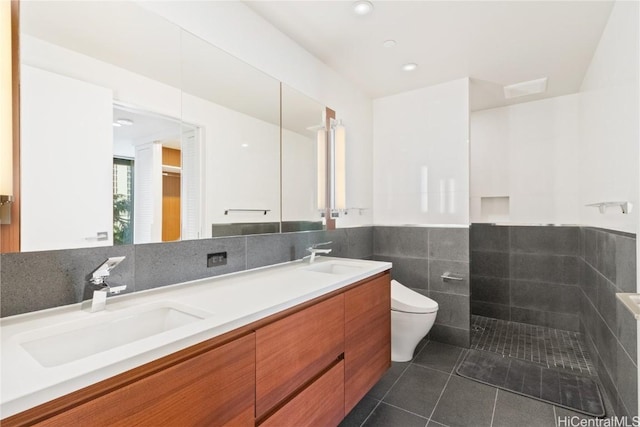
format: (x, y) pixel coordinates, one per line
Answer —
(306, 366)
(367, 352)
(213, 389)
(293, 350)
(320, 404)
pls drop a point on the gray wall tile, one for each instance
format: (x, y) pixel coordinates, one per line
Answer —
(161, 264)
(545, 240)
(543, 296)
(545, 268)
(38, 280)
(590, 283)
(401, 241)
(457, 268)
(486, 237)
(564, 321)
(276, 248)
(450, 335)
(490, 289)
(626, 264)
(490, 264)
(339, 241)
(410, 272)
(606, 255)
(627, 382)
(453, 310)
(360, 242)
(449, 244)
(626, 330)
(606, 303)
(590, 246)
(487, 309)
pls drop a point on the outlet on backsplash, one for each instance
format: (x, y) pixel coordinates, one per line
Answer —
(216, 259)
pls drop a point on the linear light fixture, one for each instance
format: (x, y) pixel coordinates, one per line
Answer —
(339, 181)
(6, 112)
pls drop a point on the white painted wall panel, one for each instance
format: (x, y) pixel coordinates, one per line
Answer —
(421, 156)
(67, 162)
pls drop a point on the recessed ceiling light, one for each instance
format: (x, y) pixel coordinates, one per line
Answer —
(244, 145)
(410, 66)
(363, 7)
(389, 43)
(124, 122)
(116, 125)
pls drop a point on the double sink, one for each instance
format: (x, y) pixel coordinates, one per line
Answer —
(60, 344)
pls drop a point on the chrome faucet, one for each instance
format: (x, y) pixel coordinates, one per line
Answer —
(315, 250)
(100, 286)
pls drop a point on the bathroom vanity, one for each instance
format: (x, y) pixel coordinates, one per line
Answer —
(292, 344)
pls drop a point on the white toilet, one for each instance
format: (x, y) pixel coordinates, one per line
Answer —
(412, 316)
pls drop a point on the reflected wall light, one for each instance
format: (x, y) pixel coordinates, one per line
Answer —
(6, 118)
(321, 169)
(339, 167)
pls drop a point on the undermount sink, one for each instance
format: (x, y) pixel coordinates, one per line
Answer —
(66, 343)
(336, 267)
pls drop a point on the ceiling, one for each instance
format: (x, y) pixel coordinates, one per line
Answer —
(495, 43)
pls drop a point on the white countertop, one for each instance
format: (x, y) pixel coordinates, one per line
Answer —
(225, 302)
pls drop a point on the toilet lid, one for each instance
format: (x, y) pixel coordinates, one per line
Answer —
(404, 299)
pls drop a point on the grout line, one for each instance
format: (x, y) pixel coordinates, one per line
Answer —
(371, 413)
(555, 416)
(405, 410)
(495, 403)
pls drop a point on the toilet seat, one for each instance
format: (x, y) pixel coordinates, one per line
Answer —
(408, 301)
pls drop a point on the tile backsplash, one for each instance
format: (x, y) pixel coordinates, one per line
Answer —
(32, 281)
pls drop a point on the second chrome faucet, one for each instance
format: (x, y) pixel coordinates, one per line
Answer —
(314, 250)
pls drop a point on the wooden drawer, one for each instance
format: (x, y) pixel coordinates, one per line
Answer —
(367, 351)
(321, 404)
(293, 350)
(215, 388)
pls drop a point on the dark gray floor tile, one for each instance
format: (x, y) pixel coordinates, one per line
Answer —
(435, 355)
(449, 244)
(490, 368)
(356, 417)
(388, 379)
(515, 410)
(465, 403)
(417, 390)
(388, 416)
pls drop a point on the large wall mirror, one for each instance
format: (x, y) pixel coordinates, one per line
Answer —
(135, 131)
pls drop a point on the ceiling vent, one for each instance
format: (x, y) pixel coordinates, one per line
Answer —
(525, 88)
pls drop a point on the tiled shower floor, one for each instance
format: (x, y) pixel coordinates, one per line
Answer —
(553, 348)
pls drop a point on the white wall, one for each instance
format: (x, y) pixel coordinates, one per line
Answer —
(66, 162)
(299, 172)
(421, 156)
(235, 28)
(236, 176)
(610, 122)
(529, 153)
